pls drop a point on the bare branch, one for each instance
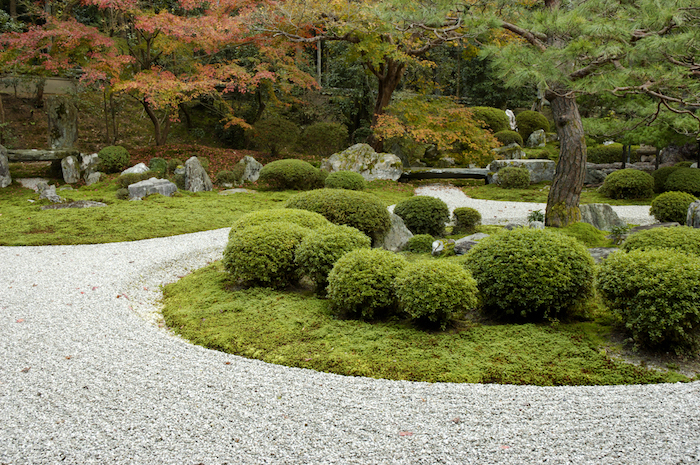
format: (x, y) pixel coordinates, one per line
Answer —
(535, 39)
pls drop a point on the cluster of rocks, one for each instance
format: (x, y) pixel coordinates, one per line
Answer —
(5, 178)
(195, 177)
(83, 166)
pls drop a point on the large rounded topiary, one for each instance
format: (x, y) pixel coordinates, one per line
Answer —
(362, 282)
(494, 119)
(431, 291)
(508, 137)
(655, 292)
(305, 218)
(465, 220)
(360, 210)
(113, 158)
(680, 238)
(319, 251)
(345, 180)
(529, 121)
(513, 177)
(672, 206)
(264, 254)
(661, 175)
(628, 184)
(420, 243)
(290, 174)
(531, 274)
(684, 180)
(423, 214)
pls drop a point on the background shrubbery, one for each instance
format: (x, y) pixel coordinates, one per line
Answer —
(424, 215)
(628, 184)
(680, 238)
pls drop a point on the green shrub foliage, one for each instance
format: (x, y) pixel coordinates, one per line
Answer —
(684, 180)
(158, 166)
(465, 220)
(113, 158)
(531, 274)
(655, 292)
(420, 243)
(173, 163)
(684, 164)
(323, 247)
(275, 134)
(122, 193)
(362, 283)
(660, 176)
(681, 238)
(508, 137)
(610, 153)
(513, 177)
(304, 218)
(424, 215)
(628, 184)
(345, 180)
(360, 210)
(125, 180)
(529, 121)
(290, 174)
(264, 255)
(494, 119)
(672, 206)
(324, 139)
(431, 291)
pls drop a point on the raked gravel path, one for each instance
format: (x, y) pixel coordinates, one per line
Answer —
(86, 376)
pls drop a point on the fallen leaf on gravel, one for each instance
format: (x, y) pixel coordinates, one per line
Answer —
(505, 447)
(21, 320)
(25, 370)
(406, 433)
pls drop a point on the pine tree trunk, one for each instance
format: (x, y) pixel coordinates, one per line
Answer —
(565, 193)
(389, 79)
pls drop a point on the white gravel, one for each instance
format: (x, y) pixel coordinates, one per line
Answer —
(87, 377)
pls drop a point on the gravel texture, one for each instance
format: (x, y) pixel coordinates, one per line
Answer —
(87, 376)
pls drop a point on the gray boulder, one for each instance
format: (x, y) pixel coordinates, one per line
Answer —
(536, 225)
(536, 139)
(89, 164)
(693, 218)
(510, 152)
(48, 192)
(441, 245)
(139, 190)
(446, 162)
(62, 113)
(465, 244)
(601, 216)
(594, 176)
(92, 178)
(694, 165)
(361, 158)
(196, 179)
(5, 178)
(70, 169)
(137, 169)
(76, 204)
(601, 253)
(397, 237)
(540, 170)
(252, 169)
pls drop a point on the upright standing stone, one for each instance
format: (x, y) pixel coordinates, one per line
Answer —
(693, 219)
(397, 237)
(5, 178)
(252, 169)
(196, 179)
(361, 158)
(71, 170)
(601, 216)
(63, 122)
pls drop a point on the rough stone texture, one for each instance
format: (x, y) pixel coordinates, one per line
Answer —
(673, 154)
(512, 226)
(636, 229)
(694, 165)
(464, 244)
(137, 169)
(601, 253)
(76, 204)
(252, 169)
(48, 192)
(92, 178)
(510, 152)
(511, 120)
(5, 178)
(446, 162)
(196, 179)
(601, 216)
(693, 218)
(88, 164)
(361, 158)
(552, 137)
(440, 245)
(237, 191)
(63, 122)
(397, 237)
(540, 170)
(70, 169)
(139, 190)
(537, 139)
(594, 176)
(536, 225)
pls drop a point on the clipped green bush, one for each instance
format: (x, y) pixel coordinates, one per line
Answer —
(423, 214)
(304, 218)
(233, 176)
(681, 238)
(275, 134)
(125, 180)
(362, 283)
(529, 121)
(494, 119)
(113, 158)
(420, 243)
(508, 137)
(264, 254)
(360, 210)
(672, 206)
(628, 184)
(655, 292)
(345, 180)
(513, 177)
(660, 176)
(319, 251)
(173, 163)
(610, 153)
(684, 180)
(465, 220)
(530, 274)
(158, 166)
(290, 174)
(324, 139)
(431, 291)
(684, 164)
(122, 193)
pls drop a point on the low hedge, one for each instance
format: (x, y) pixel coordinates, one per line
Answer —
(304, 218)
(420, 243)
(465, 220)
(529, 121)
(681, 238)
(290, 174)
(508, 137)
(661, 175)
(494, 119)
(345, 180)
(513, 177)
(672, 206)
(628, 184)
(684, 180)
(423, 214)
(113, 158)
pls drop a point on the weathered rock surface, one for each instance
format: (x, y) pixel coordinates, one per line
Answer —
(446, 162)
(540, 170)
(252, 169)
(139, 190)
(465, 244)
(510, 152)
(537, 139)
(48, 192)
(601, 216)
(5, 178)
(196, 179)
(536, 225)
(63, 122)
(70, 169)
(601, 253)
(441, 245)
(76, 204)
(89, 164)
(397, 237)
(92, 178)
(693, 218)
(136, 169)
(361, 158)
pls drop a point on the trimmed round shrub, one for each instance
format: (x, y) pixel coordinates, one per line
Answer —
(125, 180)
(529, 121)
(290, 174)
(628, 184)
(494, 119)
(513, 177)
(264, 255)
(431, 291)
(672, 206)
(684, 180)
(304, 218)
(159, 166)
(324, 139)
(362, 283)
(275, 134)
(113, 158)
(423, 214)
(655, 292)
(319, 251)
(531, 274)
(465, 219)
(684, 164)
(360, 210)
(122, 193)
(233, 176)
(508, 137)
(173, 163)
(610, 153)
(660, 176)
(680, 238)
(345, 180)
(420, 243)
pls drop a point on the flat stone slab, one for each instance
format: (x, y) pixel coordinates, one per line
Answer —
(31, 183)
(39, 155)
(141, 189)
(76, 204)
(444, 173)
(237, 191)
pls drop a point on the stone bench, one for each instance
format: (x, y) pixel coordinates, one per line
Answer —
(27, 155)
(445, 173)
